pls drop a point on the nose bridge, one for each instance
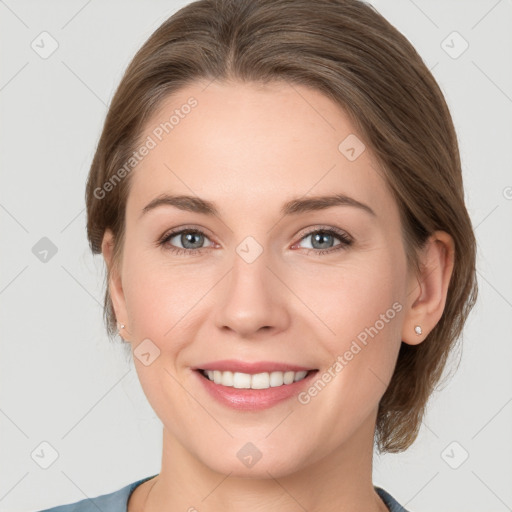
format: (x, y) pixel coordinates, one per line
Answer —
(250, 268)
(252, 298)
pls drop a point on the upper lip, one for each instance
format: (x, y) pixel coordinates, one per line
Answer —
(233, 365)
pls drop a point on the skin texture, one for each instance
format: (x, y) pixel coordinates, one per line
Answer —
(249, 148)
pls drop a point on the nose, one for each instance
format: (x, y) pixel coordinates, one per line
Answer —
(252, 301)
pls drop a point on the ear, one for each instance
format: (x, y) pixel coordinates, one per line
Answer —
(427, 292)
(114, 283)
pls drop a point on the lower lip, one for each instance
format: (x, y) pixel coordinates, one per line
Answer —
(253, 399)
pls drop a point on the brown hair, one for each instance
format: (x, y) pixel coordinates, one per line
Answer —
(352, 54)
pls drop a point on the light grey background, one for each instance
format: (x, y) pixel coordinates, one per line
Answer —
(61, 380)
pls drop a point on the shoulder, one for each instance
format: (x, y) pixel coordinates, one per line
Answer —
(391, 503)
(113, 502)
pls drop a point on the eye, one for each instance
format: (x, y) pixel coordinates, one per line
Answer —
(191, 241)
(322, 240)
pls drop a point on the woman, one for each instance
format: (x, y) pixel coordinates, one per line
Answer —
(278, 197)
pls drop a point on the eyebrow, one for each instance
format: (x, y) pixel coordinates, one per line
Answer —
(292, 207)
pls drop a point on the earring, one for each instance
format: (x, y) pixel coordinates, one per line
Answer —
(119, 327)
(417, 329)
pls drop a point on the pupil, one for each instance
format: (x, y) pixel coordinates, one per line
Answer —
(187, 238)
(319, 237)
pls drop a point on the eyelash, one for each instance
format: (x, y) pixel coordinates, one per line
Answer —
(345, 241)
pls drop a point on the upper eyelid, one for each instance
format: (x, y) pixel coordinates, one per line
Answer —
(336, 231)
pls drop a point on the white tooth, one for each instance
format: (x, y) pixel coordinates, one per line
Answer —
(276, 379)
(300, 375)
(241, 380)
(260, 381)
(288, 377)
(227, 379)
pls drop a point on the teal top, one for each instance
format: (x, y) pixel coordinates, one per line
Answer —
(118, 500)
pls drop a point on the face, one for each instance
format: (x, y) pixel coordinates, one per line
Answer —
(273, 284)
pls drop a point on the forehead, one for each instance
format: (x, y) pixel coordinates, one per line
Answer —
(254, 145)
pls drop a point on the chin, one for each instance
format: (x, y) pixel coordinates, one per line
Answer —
(249, 460)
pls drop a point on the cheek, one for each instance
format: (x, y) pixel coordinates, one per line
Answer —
(363, 292)
(158, 299)
(155, 293)
(164, 301)
(363, 306)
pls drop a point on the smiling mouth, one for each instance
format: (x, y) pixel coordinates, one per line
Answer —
(264, 380)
